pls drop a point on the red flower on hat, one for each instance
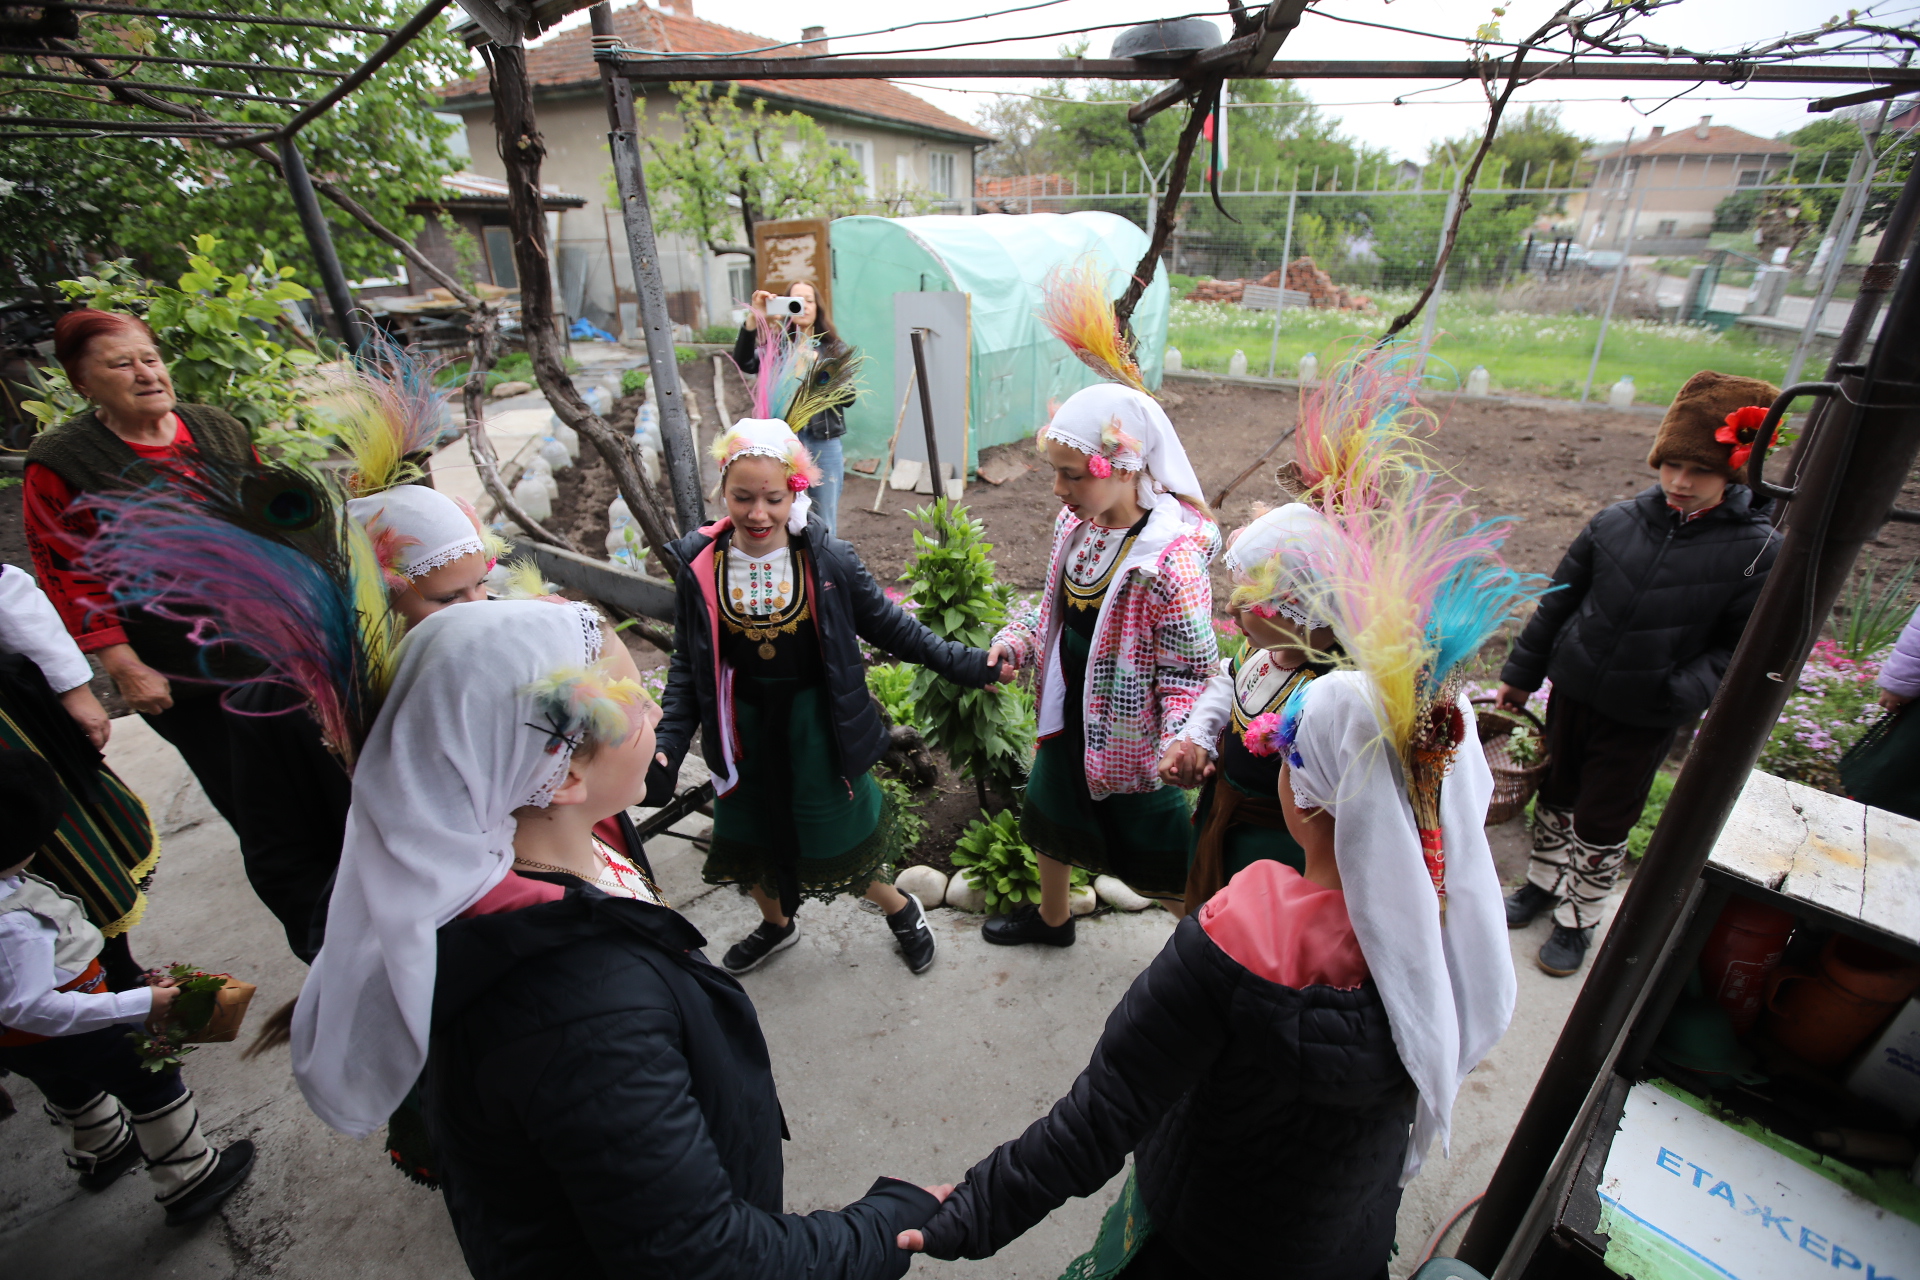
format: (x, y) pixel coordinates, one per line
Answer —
(1099, 466)
(798, 483)
(1741, 429)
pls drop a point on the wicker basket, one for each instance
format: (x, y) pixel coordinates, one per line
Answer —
(1513, 784)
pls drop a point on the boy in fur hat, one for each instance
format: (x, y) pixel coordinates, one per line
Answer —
(62, 1029)
(1646, 609)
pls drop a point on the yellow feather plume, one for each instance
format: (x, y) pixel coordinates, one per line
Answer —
(1078, 309)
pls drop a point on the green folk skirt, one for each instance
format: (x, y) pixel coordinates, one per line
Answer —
(792, 817)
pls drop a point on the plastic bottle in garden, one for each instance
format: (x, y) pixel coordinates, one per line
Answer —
(537, 467)
(1237, 365)
(565, 434)
(1171, 362)
(1621, 397)
(531, 495)
(1309, 368)
(1478, 380)
(556, 454)
(625, 546)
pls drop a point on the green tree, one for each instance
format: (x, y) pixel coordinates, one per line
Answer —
(1824, 151)
(737, 163)
(1526, 147)
(68, 201)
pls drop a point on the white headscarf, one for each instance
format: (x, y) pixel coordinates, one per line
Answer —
(772, 438)
(454, 752)
(1271, 554)
(1083, 423)
(431, 528)
(1448, 988)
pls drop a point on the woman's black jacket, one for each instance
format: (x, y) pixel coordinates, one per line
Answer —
(828, 424)
(602, 1104)
(850, 607)
(1269, 1126)
(1646, 608)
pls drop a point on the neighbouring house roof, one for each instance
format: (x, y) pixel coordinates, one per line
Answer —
(566, 61)
(1020, 186)
(467, 190)
(1718, 140)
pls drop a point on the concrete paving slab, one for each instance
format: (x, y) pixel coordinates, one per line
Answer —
(880, 1072)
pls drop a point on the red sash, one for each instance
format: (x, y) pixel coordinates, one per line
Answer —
(92, 980)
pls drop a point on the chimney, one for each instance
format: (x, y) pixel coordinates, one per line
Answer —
(679, 8)
(1700, 130)
(813, 42)
(1653, 134)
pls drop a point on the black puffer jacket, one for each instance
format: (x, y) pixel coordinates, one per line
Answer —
(602, 1104)
(1268, 1122)
(1646, 610)
(848, 607)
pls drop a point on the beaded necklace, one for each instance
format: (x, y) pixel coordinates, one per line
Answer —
(1091, 568)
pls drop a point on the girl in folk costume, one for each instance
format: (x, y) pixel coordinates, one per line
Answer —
(766, 665)
(1291, 1055)
(1356, 432)
(1122, 635)
(599, 1094)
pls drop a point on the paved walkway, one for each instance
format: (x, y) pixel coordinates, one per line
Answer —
(879, 1073)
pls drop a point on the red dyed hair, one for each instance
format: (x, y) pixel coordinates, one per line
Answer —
(76, 330)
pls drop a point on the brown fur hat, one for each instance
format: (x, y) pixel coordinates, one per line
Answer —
(1700, 410)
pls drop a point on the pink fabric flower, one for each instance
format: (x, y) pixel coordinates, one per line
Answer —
(1263, 735)
(798, 482)
(1099, 466)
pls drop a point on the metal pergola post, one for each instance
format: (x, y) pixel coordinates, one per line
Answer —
(320, 240)
(623, 140)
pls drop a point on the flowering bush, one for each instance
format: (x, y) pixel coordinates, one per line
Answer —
(1835, 702)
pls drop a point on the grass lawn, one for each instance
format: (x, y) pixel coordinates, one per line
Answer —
(1524, 354)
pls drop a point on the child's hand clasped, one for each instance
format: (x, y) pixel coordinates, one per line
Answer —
(1005, 666)
(1186, 764)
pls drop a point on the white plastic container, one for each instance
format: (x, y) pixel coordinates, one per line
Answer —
(565, 434)
(1170, 363)
(1309, 369)
(1478, 380)
(556, 454)
(532, 497)
(536, 467)
(1621, 396)
(1237, 365)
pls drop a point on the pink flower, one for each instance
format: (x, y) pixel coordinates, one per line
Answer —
(1099, 466)
(798, 483)
(1263, 735)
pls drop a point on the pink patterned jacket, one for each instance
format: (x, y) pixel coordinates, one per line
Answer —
(1153, 646)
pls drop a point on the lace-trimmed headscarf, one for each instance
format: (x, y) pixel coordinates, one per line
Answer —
(1120, 428)
(1269, 561)
(471, 730)
(772, 438)
(416, 530)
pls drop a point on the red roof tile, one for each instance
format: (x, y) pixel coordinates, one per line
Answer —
(1721, 140)
(567, 59)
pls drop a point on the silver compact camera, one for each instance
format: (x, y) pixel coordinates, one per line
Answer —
(782, 307)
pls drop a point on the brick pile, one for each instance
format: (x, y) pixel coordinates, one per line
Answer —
(1302, 277)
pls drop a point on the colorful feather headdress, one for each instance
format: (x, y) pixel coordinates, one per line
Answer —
(1414, 585)
(589, 705)
(796, 381)
(388, 406)
(1078, 309)
(1359, 425)
(265, 558)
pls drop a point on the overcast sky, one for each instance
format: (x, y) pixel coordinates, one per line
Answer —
(1364, 107)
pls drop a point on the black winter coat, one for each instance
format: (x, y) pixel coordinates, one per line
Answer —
(1269, 1124)
(602, 1104)
(849, 607)
(827, 425)
(1646, 610)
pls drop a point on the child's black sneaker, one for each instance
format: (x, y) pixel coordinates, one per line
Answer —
(909, 925)
(1526, 902)
(1024, 926)
(1562, 954)
(760, 946)
(221, 1181)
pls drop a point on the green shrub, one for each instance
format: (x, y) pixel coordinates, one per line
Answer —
(220, 331)
(720, 333)
(1000, 863)
(632, 381)
(987, 733)
(1650, 816)
(1865, 623)
(892, 684)
(911, 826)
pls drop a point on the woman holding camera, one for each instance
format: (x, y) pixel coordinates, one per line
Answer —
(822, 435)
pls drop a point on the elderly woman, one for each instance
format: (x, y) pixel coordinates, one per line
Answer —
(134, 433)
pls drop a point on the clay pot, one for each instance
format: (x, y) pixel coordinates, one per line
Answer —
(1741, 954)
(1823, 1017)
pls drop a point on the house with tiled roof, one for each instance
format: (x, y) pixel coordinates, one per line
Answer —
(1673, 178)
(902, 144)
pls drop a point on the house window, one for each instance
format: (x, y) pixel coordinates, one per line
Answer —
(940, 169)
(1749, 177)
(740, 283)
(861, 153)
(500, 257)
(903, 173)
(1667, 227)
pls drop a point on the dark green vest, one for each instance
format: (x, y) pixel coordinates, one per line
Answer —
(91, 459)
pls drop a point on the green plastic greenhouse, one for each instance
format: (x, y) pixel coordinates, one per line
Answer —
(1002, 260)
